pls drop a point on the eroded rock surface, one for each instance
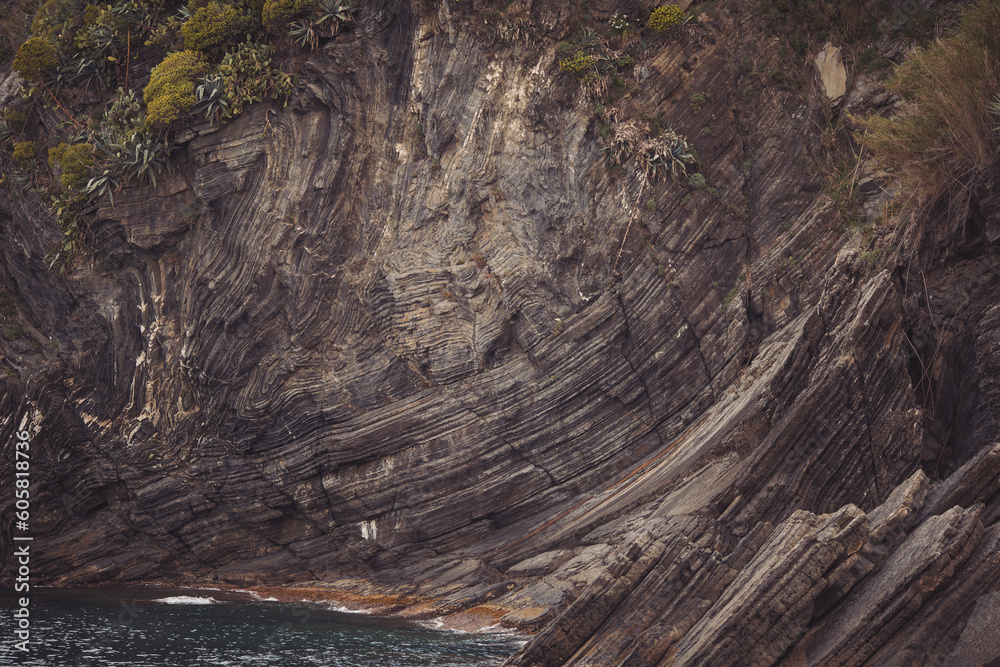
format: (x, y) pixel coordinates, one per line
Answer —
(410, 337)
(832, 73)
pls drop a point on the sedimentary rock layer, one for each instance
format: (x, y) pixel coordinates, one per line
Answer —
(410, 335)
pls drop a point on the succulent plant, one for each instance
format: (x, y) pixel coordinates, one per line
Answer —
(667, 153)
(210, 93)
(103, 184)
(304, 33)
(336, 12)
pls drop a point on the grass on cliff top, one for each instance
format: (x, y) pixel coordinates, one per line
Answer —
(80, 59)
(943, 145)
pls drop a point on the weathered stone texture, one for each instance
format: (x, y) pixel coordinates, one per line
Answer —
(382, 340)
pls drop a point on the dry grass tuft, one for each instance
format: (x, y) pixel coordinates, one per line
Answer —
(941, 148)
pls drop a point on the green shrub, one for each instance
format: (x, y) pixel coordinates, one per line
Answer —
(245, 77)
(91, 16)
(277, 14)
(47, 11)
(108, 33)
(55, 155)
(697, 101)
(942, 148)
(12, 122)
(16, 119)
(75, 162)
(170, 91)
(253, 9)
(579, 65)
(134, 152)
(124, 118)
(14, 334)
(697, 180)
(50, 19)
(665, 18)
(35, 58)
(24, 154)
(211, 27)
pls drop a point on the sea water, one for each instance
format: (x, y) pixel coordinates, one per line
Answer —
(138, 627)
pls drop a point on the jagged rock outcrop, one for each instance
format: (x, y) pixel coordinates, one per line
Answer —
(384, 341)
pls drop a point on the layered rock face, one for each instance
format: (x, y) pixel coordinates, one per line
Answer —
(411, 335)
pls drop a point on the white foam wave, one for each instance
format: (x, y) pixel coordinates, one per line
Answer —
(254, 595)
(186, 599)
(433, 624)
(333, 606)
(497, 630)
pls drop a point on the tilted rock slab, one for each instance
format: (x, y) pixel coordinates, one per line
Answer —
(409, 338)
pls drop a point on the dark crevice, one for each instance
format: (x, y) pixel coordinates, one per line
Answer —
(517, 452)
(879, 465)
(629, 339)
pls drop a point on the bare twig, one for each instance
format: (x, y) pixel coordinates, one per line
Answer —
(635, 211)
(59, 104)
(927, 297)
(128, 56)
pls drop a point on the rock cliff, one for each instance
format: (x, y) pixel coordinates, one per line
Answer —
(411, 337)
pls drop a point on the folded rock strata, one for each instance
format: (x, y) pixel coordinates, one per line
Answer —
(494, 378)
